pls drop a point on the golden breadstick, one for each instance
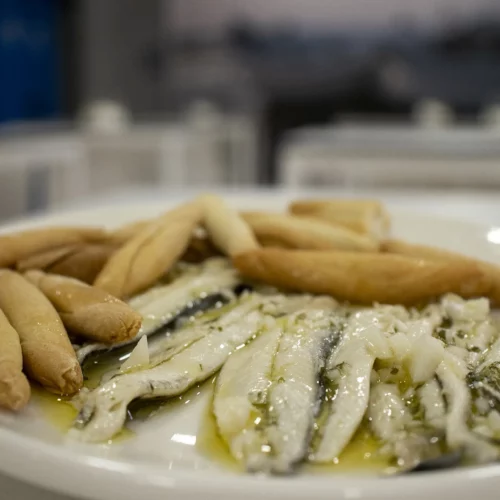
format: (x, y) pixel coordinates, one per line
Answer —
(410, 249)
(228, 231)
(49, 357)
(46, 258)
(87, 311)
(151, 253)
(82, 262)
(85, 263)
(123, 234)
(307, 233)
(363, 216)
(17, 246)
(200, 248)
(14, 387)
(361, 277)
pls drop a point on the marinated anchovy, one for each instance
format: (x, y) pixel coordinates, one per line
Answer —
(350, 402)
(350, 369)
(294, 398)
(301, 373)
(268, 394)
(105, 409)
(403, 437)
(241, 398)
(467, 326)
(452, 373)
(433, 404)
(201, 288)
(485, 384)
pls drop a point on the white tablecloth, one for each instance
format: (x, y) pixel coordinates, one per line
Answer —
(482, 207)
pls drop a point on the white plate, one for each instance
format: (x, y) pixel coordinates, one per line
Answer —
(161, 462)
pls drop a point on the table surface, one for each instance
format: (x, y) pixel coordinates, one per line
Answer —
(476, 206)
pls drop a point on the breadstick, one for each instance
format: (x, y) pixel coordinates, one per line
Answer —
(87, 311)
(123, 234)
(85, 263)
(490, 270)
(82, 262)
(228, 231)
(151, 253)
(46, 258)
(18, 246)
(306, 233)
(200, 248)
(361, 277)
(49, 357)
(14, 387)
(363, 216)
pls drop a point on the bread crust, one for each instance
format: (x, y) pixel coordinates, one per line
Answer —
(150, 253)
(18, 246)
(490, 271)
(290, 231)
(367, 217)
(361, 277)
(226, 228)
(48, 356)
(87, 311)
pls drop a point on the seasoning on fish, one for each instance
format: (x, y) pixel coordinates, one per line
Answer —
(105, 409)
(198, 288)
(268, 394)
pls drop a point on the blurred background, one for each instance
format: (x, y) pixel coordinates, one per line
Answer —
(103, 97)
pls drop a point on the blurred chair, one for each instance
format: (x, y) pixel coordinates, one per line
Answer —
(201, 147)
(46, 166)
(40, 168)
(433, 155)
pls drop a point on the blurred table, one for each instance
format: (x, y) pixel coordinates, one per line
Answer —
(385, 155)
(46, 165)
(479, 206)
(476, 206)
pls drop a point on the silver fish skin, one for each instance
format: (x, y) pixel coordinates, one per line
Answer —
(241, 397)
(295, 396)
(349, 368)
(105, 409)
(161, 305)
(452, 374)
(403, 437)
(267, 395)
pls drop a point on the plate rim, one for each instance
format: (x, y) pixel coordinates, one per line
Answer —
(136, 478)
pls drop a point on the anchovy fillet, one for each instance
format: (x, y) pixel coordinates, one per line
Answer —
(349, 405)
(432, 403)
(105, 409)
(402, 436)
(350, 368)
(294, 398)
(242, 395)
(452, 374)
(195, 290)
(268, 394)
